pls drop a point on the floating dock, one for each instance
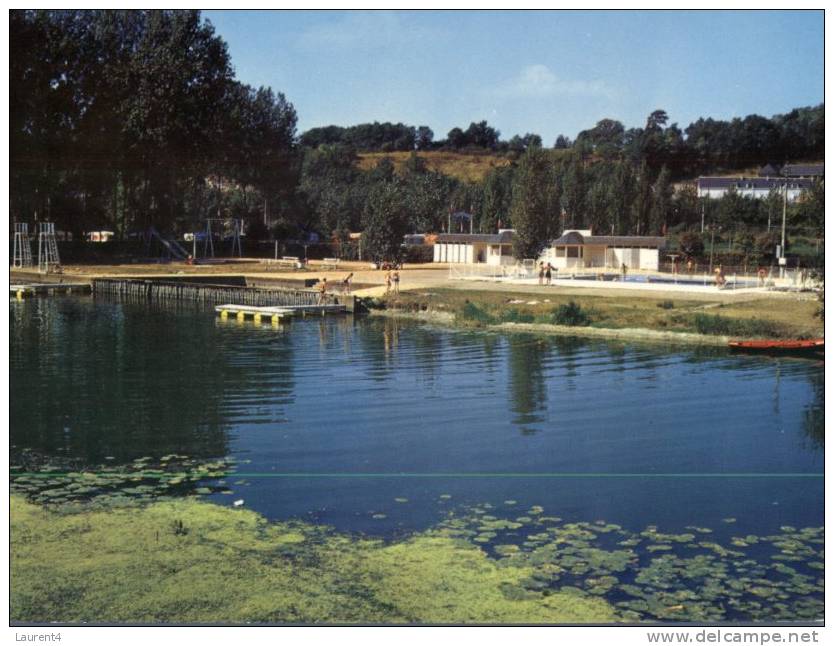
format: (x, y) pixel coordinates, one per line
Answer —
(274, 314)
(48, 289)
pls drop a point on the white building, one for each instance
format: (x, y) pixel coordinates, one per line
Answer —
(470, 248)
(755, 187)
(579, 249)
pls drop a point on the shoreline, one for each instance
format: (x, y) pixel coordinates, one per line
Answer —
(616, 334)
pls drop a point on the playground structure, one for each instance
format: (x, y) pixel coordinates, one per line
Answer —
(22, 250)
(48, 259)
(235, 225)
(172, 249)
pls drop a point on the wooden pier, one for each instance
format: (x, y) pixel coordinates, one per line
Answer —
(48, 289)
(209, 294)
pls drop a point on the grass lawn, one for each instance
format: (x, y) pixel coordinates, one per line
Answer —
(774, 317)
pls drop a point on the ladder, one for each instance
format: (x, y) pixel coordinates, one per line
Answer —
(47, 248)
(22, 254)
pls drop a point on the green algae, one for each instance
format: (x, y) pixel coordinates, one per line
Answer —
(667, 576)
(131, 565)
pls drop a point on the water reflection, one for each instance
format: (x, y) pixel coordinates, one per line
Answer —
(337, 395)
(528, 388)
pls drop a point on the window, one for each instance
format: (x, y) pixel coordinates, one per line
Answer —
(573, 252)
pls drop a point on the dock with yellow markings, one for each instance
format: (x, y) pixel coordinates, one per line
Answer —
(276, 314)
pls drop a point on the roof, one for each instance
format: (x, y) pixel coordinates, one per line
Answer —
(505, 237)
(761, 183)
(574, 238)
(804, 170)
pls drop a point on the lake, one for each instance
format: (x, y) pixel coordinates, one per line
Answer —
(384, 427)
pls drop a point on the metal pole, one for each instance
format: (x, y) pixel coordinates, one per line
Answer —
(711, 246)
(784, 217)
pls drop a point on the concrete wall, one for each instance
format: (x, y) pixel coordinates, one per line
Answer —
(633, 258)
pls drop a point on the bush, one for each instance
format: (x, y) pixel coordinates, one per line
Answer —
(570, 314)
(666, 305)
(516, 316)
(691, 244)
(472, 312)
(714, 324)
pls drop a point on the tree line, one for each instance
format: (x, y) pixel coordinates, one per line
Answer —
(130, 119)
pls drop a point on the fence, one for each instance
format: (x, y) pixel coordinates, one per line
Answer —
(483, 271)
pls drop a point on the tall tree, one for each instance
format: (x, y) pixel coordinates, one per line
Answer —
(661, 207)
(384, 222)
(535, 203)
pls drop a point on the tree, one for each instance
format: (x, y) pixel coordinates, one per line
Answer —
(482, 135)
(573, 193)
(605, 138)
(456, 138)
(661, 202)
(497, 196)
(384, 222)
(562, 143)
(642, 205)
(535, 203)
(810, 211)
(691, 244)
(425, 136)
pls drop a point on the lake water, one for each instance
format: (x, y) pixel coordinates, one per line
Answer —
(336, 417)
(384, 427)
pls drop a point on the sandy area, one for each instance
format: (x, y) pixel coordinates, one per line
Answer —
(371, 282)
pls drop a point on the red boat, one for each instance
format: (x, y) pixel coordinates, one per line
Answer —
(778, 345)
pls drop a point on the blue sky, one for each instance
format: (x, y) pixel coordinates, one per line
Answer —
(551, 73)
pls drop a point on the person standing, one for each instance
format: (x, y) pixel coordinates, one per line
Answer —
(548, 273)
(541, 273)
(322, 291)
(388, 283)
(396, 279)
(346, 283)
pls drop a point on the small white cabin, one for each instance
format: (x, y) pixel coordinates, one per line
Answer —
(471, 248)
(579, 249)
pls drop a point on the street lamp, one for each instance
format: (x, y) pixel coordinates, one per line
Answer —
(782, 260)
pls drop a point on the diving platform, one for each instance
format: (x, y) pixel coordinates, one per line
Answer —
(48, 289)
(276, 313)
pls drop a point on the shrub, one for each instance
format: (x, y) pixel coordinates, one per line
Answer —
(714, 324)
(570, 314)
(472, 312)
(516, 316)
(666, 305)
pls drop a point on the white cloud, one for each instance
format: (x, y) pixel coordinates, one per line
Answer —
(539, 81)
(366, 30)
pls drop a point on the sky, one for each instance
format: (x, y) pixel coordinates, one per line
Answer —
(545, 72)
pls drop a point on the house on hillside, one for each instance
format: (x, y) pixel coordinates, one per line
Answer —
(755, 187)
(580, 249)
(489, 248)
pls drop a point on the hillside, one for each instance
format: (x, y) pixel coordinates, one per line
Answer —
(462, 166)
